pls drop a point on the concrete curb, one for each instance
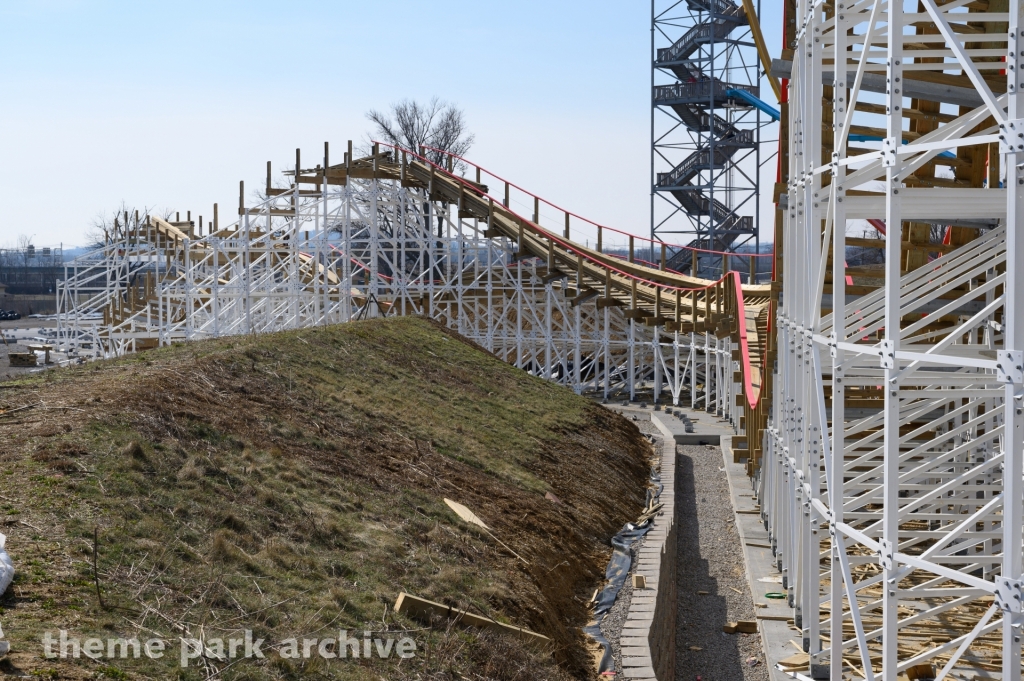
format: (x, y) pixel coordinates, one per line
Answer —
(648, 638)
(759, 563)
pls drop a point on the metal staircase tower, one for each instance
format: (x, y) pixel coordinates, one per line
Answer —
(705, 134)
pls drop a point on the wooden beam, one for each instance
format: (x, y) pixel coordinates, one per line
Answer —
(424, 610)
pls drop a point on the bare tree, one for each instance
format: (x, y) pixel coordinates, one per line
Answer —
(438, 124)
(110, 227)
(16, 254)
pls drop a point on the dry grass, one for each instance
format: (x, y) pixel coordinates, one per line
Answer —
(292, 484)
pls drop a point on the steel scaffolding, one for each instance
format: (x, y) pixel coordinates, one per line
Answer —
(705, 131)
(892, 479)
(394, 234)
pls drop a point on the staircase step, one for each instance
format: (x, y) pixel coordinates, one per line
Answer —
(727, 18)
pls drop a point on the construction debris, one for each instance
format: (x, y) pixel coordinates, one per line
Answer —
(796, 662)
(472, 519)
(424, 610)
(6, 568)
(741, 627)
(22, 359)
(466, 514)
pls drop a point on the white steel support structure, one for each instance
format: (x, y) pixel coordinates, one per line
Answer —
(892, 482)
(366, 246)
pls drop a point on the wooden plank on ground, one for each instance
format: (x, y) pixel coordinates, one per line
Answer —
(422, 609)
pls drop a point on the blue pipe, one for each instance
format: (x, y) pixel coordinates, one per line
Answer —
(754, 102)
(874, 138)
(775, 115)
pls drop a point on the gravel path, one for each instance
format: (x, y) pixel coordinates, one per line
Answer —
(711, 560)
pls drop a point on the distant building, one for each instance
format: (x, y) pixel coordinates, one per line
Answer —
(28, 279)
(31, 270)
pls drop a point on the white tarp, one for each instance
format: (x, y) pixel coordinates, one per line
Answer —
(6, 575)
(6, 566)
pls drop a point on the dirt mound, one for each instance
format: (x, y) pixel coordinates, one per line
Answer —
(293, 484)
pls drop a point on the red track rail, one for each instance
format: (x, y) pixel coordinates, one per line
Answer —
(753, 396)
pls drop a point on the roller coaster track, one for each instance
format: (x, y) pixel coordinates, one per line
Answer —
(399, 232)
(880, 409)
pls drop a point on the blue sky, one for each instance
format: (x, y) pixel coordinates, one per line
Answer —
(169, 105)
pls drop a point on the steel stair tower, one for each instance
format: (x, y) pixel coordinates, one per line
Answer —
(705, 136)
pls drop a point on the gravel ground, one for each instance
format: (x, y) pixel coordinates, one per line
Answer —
(643, 422)
(711, 560)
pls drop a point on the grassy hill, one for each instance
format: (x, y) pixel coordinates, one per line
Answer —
(292, 484)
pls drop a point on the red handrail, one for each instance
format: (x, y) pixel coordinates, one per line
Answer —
(589, 221)
(752, 398)
(551, 236)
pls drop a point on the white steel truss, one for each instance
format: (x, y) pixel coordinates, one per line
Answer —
(892, 474)
(373, 240)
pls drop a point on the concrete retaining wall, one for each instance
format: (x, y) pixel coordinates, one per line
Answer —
(648, 639)
(29, 304)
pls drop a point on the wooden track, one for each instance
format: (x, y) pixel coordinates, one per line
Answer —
(655, 296)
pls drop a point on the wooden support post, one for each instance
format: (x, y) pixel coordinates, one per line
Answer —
(631, 257)
(241, 196)
(348, 156)
(327, 163)
(200, 225)
(679, 307)
(663, 254)
(216, 222)
(298, 165)
(694, 252)
(566, 225)
(506, 195)
(725, 264)
(599, 235)
(753, 270)
(268, 178)
(536, 210)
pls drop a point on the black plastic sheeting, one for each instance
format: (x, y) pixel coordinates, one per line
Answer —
(616, 573)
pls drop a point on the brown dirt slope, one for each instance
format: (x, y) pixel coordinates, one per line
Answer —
(293, 484)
